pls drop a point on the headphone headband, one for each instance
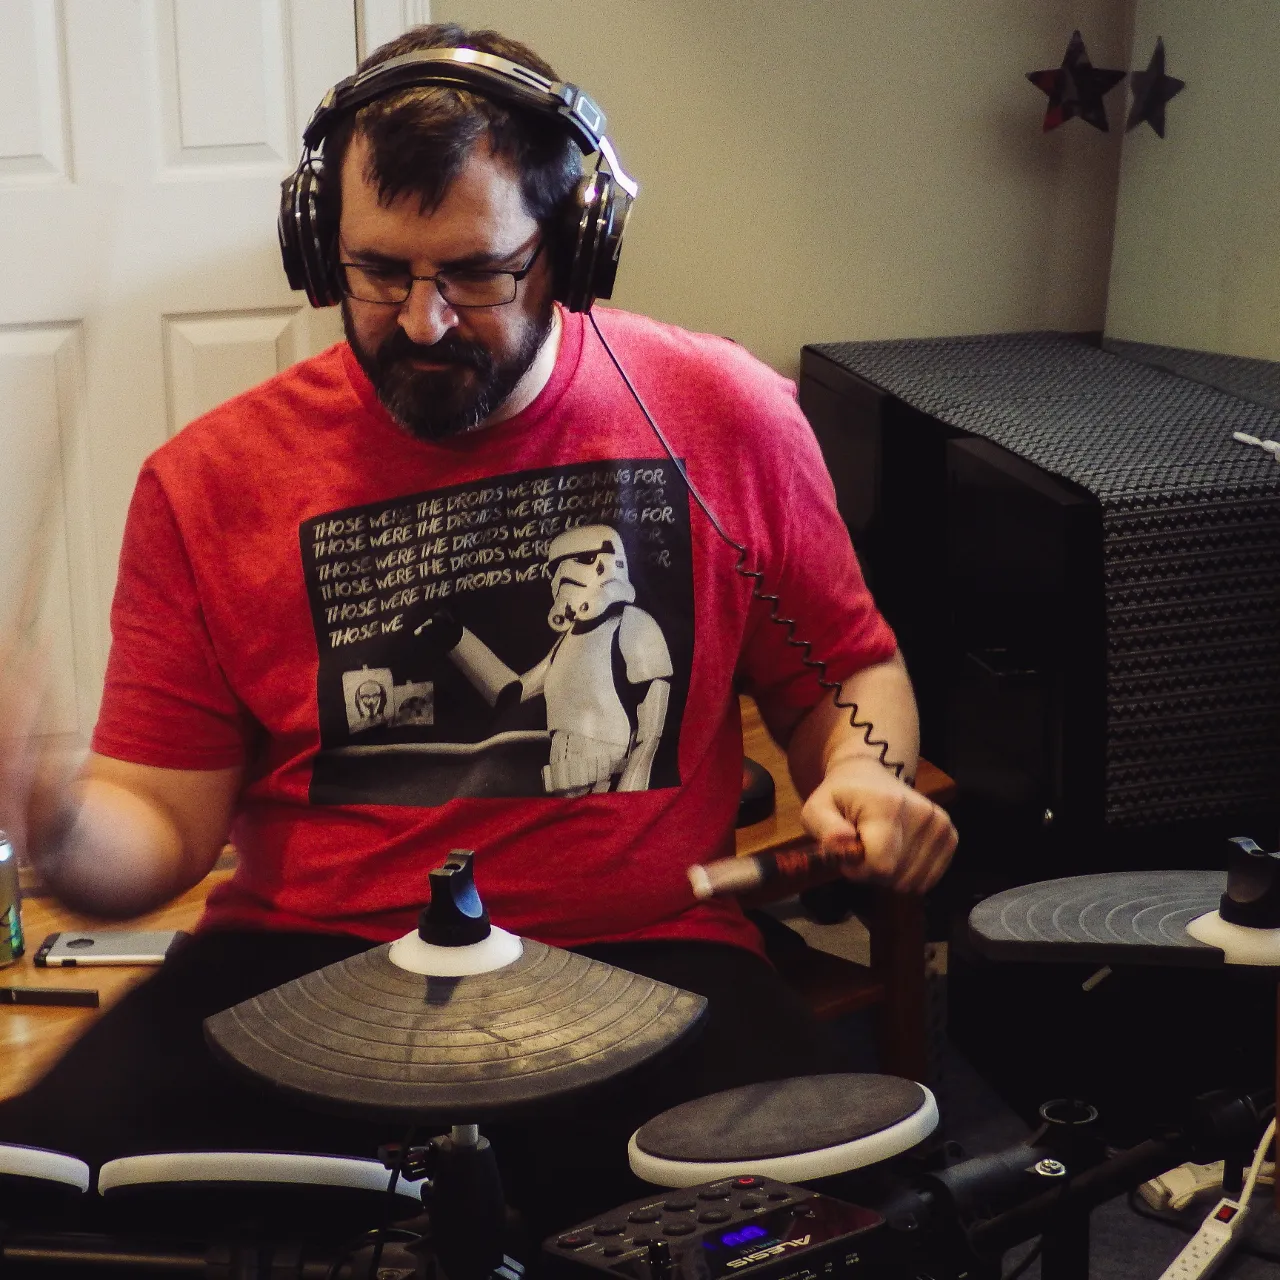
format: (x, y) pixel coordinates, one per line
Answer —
(482, 73)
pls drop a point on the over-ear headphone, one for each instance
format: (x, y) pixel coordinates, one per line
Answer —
(594, 218)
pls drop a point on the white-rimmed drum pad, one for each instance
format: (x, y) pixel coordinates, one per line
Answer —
(794, 1130)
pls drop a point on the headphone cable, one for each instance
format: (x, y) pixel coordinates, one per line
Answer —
(756, 577)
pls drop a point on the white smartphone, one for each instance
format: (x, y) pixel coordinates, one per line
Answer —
(107, 946)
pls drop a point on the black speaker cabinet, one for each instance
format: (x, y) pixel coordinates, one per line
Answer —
(1063, 635)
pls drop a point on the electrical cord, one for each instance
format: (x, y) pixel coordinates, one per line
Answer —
(1254, 1169)
(392, 1183)
(1026, 1262)
(756, 578)
(379, 1236)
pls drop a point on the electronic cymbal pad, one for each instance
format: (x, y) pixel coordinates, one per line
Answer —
(1201, 919)
(457, 1020)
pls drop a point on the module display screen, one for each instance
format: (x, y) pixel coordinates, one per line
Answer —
(749, 1232)
(795, 1240)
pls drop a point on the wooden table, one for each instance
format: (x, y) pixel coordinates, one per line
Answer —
(32, 1037)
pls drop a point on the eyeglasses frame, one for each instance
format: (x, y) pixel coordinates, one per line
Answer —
(516, 277)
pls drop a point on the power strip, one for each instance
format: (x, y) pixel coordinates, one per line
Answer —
(1177, 1188)
(1206, 1250)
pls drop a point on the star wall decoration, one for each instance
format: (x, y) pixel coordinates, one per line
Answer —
(1151, 90)
(1075, 88)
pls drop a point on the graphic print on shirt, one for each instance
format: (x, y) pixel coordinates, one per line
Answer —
(525, 635)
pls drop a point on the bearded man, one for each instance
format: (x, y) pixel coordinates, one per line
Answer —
(303, 534)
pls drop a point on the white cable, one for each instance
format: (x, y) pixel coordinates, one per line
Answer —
(1271, 446)
(1256, 1167)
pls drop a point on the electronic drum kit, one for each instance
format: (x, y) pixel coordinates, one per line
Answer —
(461, 1023)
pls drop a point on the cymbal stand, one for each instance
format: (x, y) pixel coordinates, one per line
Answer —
(465, 1204)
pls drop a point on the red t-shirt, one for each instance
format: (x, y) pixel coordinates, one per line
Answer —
(416, 647)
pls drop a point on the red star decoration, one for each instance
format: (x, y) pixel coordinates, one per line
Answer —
(1075, 88)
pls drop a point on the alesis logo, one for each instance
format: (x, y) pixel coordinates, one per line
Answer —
(761, 1254)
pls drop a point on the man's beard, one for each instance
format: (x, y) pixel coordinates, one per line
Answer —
(433, 404)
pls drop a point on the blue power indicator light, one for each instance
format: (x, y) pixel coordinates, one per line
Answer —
(734, 1238)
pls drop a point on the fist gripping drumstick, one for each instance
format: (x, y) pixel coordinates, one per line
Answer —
(789, 869)
(22, 592)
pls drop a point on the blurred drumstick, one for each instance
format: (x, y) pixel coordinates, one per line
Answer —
(38, 555)
(784, 870)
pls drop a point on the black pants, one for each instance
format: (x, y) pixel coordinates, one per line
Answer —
(142, 1078)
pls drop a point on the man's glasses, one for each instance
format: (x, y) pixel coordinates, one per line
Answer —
(462, 288)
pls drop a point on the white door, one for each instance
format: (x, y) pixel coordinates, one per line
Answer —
(142, 143)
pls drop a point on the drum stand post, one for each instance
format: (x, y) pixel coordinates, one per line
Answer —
(1071, 1130)
(466, 1206)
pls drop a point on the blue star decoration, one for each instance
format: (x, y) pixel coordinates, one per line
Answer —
(1075, 88)
(1151, 90)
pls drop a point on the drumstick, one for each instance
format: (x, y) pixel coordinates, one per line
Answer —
(798, 867)
(39, 553)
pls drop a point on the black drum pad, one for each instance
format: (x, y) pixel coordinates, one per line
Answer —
(365, 1037)
(1121, 917)
(780, 1118)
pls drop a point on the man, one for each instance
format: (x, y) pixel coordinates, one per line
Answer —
(286, 551)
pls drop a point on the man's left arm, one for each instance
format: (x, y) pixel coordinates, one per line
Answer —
(893, 835)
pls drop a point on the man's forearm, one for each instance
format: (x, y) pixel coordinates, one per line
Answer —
(106, 851)
(827, 734)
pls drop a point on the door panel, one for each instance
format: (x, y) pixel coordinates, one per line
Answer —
(142, 145)
(210, 358)
(34, 143)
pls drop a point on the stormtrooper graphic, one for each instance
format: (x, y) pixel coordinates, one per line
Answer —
(606, 678)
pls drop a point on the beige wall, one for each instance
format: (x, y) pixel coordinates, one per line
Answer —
(843, 169)
(1197, 259)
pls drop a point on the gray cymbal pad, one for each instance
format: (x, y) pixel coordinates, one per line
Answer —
(363, 1036)
(1110, 918)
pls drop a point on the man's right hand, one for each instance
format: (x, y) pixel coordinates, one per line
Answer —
(117, 839)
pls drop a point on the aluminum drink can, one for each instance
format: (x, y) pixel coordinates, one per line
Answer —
(10, 908)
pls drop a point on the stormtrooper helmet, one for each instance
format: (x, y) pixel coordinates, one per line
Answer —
(588, 574)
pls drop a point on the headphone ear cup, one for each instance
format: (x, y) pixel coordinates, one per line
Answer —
(600, 209)
(307, 247)
(287, 231)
